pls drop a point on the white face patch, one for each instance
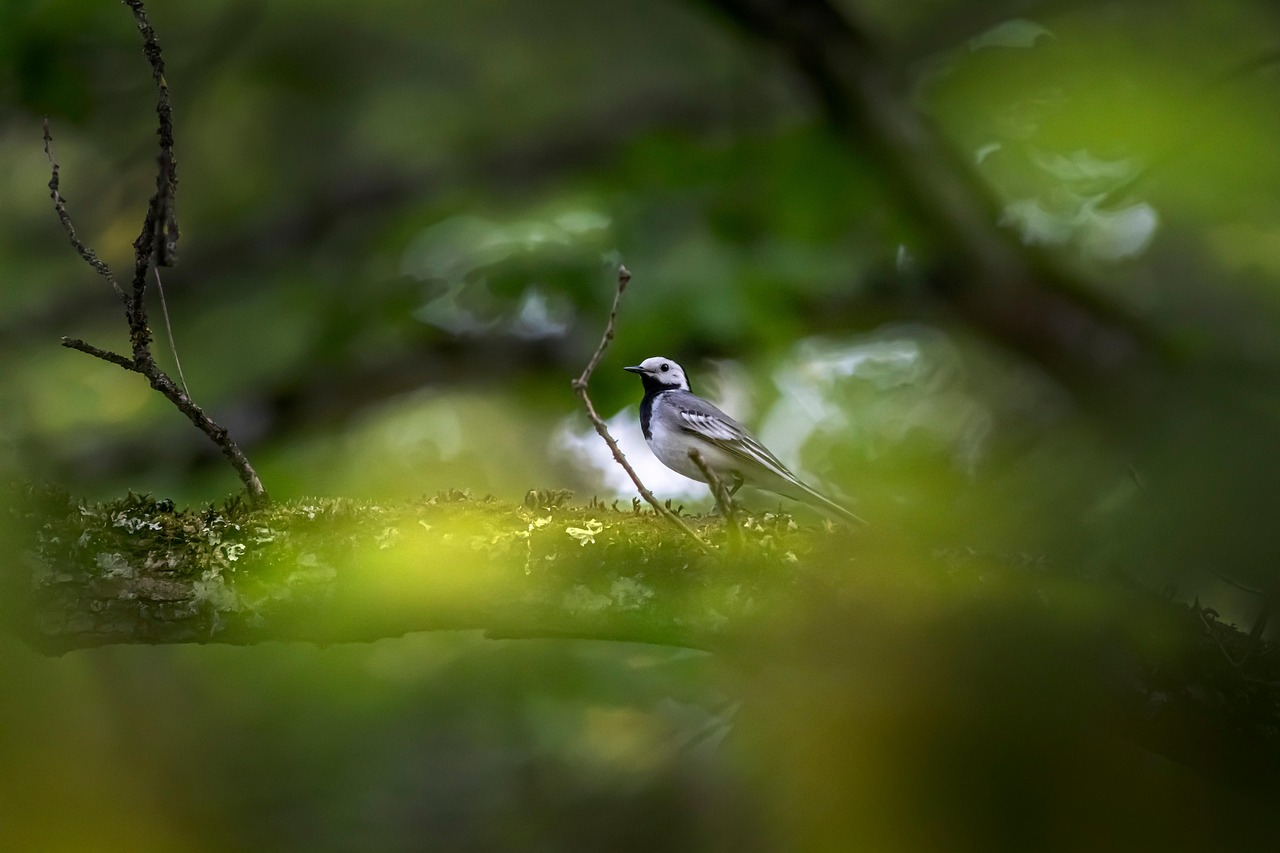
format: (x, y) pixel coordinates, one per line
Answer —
(665, 371)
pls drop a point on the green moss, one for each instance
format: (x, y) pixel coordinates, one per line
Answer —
(231, 568)
(235, 541)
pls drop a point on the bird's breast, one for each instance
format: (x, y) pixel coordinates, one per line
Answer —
(672, 450)
(671, 445)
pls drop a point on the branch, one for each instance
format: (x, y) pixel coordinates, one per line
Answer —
(358, 199)
(580, 388)
(155, 245)
(96, 352)
(724, 500)
(60, 207)
(158, 241)
(1019, 295)
(139, 571)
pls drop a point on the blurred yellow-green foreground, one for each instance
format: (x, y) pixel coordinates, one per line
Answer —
(400, 223)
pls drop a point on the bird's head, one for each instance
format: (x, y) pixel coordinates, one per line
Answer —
(660, 374)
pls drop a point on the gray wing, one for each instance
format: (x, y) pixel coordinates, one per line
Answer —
(692, 414)
(695, 415)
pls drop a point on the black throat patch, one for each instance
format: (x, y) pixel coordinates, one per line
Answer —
(646, 411)
(653, 388)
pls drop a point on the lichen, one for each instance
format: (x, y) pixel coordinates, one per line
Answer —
(114, 566)
(586, 535)
(629, 593)
(581, 599)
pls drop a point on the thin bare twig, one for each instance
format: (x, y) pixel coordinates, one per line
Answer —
(155, 247)
(580, 388)
(720, 492)
(60, 207)
(97, 352)
(624, 278)
(158, 241)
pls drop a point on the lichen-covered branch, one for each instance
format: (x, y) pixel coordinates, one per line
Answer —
(138, 571)
(98, 352)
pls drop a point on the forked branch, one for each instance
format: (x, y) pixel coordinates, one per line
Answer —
(156, 246)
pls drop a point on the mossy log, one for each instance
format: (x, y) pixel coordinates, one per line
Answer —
(327, 571)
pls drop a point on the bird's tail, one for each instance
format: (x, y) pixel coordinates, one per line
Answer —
(821, 502)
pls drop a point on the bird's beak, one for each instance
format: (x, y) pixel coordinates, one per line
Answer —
(635, 369)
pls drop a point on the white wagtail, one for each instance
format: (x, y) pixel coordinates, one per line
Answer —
(675, 421)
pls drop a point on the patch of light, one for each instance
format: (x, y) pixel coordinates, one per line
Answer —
(728, 385)
(420, 421)
(448, 313)
(1017, 32)
(1117, 234)
(904, 261)
(540, 316)
(985, 151)
(872, 393)
(1038, 226)
(578, 442)
(449, 250)
(453, 256)
(885, 361)
(1074, 212)
(1082, 166)
(867, 395)
(1105, 235)
(583, 221)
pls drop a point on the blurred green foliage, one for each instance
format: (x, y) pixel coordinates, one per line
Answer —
(399, 224)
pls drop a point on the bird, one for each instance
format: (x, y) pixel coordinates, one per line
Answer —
(675, 421)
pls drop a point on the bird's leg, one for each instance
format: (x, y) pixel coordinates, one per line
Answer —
(737, 483)
(725, 507)
(729, 491)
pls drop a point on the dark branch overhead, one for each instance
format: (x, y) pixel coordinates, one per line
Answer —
(1027, 299)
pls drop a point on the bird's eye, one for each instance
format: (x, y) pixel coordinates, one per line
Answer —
(665, 368)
